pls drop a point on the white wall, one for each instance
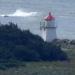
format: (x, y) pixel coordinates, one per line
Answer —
(49, 33)
(50, 23)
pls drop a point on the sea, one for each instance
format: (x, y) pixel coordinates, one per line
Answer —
(29, 13)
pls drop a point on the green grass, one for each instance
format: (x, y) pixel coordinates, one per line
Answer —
(42, 68)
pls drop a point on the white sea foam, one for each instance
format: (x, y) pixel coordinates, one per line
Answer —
(20, 13)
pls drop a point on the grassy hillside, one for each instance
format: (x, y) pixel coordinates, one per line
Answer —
(41, 68)
(44, 68)
(17, 46)
(23, 53)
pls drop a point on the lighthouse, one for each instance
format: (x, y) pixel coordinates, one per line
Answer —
(48, 28)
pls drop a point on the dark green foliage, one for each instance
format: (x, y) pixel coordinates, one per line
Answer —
(22, 45)
(72, 42)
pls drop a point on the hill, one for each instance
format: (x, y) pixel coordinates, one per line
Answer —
(22, 45)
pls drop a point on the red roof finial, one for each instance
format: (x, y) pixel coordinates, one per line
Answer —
(49, 17)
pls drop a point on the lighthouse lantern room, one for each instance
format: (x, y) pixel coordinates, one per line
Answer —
(48, 28)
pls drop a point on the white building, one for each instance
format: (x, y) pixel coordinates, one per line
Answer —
(48, 28)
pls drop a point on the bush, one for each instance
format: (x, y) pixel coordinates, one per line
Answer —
(22, 45)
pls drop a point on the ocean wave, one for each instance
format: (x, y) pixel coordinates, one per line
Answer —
(20, 13)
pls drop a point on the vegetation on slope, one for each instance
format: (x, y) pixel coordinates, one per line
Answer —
(22, 45)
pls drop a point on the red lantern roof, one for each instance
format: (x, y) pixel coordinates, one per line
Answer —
(49, 17)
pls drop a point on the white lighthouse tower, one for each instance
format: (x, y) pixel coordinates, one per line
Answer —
(48, 28)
